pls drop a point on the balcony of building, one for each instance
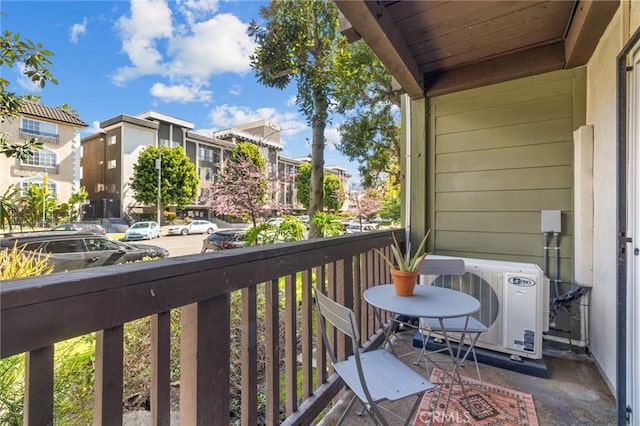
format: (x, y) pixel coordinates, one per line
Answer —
(272, 285)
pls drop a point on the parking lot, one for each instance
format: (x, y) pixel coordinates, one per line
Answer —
(179, 245)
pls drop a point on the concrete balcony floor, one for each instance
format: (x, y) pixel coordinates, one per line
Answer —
(574, 393)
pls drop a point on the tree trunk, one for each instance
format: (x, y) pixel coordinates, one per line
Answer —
(316, 202)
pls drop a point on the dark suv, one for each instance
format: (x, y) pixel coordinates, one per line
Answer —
(224, 239)
(80, 249)
(81, 226)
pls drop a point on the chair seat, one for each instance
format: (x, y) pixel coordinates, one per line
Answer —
(455, 325)
(388, 378)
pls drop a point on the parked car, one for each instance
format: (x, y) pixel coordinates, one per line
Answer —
(356, 227)
(70, 250)
(142, 231)
(304, 219)
(224, 239)
(81, 226)
(195, 227)
(275, 221)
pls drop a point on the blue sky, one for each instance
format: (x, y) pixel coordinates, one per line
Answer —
(185, 58)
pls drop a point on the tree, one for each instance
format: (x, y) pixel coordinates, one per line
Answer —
(36, 63)
(365, 204)
(301, 41)
(35, 203)
(178, 177)
(303, 182)
(242, 188)
(333, 193)
(71, 209)
(68, 108)
(370, 133)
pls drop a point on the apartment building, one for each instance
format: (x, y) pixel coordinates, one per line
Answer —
(109, 156)
(59, 159)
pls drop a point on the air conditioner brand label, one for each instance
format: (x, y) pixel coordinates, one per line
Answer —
(522, 281)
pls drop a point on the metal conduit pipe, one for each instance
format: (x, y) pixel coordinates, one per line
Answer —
(545, 260)
(556, 260)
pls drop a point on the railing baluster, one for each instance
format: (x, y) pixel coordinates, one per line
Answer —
(107, 409)
(307, 335)
(345, 283)
(291, 350)
(38, 398)
(160, 365)
(204, 360)
(272, 348)
(249, 358)
(371, 321)
(321, 358)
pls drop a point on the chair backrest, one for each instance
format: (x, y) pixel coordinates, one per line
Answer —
(443, 268)
(341, 317)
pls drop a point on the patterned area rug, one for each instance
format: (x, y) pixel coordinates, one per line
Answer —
(491, 406)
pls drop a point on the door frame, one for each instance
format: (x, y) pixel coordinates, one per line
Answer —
(625, 172)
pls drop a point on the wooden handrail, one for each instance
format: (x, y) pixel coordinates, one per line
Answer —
(36, 313)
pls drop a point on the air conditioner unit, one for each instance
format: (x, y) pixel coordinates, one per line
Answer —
(514, 303)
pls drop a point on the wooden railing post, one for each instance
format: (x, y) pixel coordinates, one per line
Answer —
(38, 398)
(107, 409)
(204, 362)
(272, 348)
(249, 358)
(160, 365)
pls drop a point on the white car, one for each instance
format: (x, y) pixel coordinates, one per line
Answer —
(275, 221)
(195, 227)
(142, 231)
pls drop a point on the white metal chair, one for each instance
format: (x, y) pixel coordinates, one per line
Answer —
(467, 327)
(374, 376)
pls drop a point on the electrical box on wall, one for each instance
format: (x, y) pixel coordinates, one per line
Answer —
(551, 221)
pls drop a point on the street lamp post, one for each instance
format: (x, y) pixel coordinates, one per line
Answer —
(159, 168)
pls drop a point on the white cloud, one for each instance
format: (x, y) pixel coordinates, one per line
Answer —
(332, 136)
(193, 9)
(188, 54)
(23, 81)
(180, 93)
(77, 30)
(150, 20)
(226, 116)
(292, 100)
(235, 90)
(218, 45)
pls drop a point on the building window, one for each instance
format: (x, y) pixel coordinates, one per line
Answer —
(99, 187)
(113, 139)
(51, 186)
(39, 128)
(41, 158)
(111, 164)
(208, 154)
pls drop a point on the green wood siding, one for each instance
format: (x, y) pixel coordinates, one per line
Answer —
(496, 157)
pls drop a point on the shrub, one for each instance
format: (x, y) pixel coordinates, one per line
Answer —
(18, 263)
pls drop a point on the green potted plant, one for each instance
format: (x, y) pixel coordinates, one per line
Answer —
(405, 268)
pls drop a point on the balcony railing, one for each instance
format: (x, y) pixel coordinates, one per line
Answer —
(41, 136)
(36, 313)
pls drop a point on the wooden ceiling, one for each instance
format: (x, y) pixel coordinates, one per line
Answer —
(438, 46)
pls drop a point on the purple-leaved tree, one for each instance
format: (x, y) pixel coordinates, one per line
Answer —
(244, 191)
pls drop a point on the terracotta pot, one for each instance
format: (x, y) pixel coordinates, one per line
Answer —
(404, 281)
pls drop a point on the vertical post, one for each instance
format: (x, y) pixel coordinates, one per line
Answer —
(45, 182)
(159, 169)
